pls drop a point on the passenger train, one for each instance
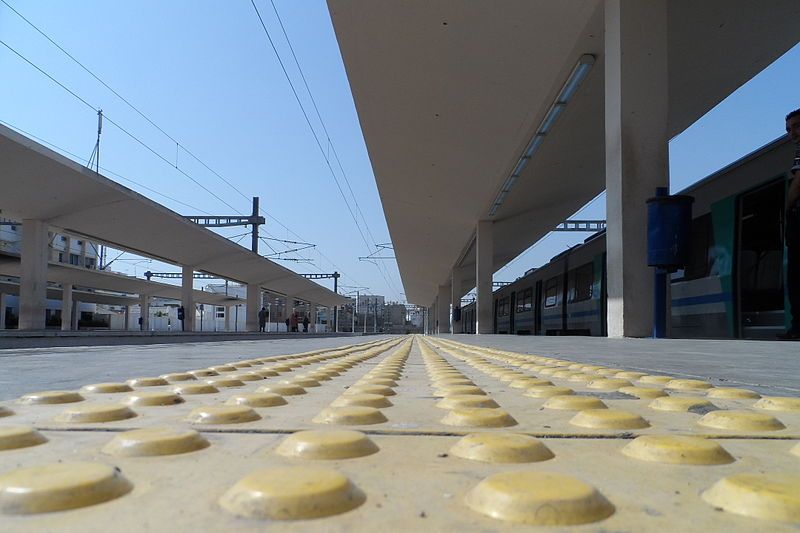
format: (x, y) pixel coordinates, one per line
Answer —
(732, 287)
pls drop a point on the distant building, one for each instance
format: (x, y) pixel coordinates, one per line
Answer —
(62, 249)
(213, 317)
(396, 314)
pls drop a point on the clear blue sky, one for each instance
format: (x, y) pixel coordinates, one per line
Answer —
(205, 73)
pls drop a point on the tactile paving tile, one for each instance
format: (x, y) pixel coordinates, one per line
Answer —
(431, 435)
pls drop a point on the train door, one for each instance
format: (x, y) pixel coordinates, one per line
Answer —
(511, 312)
(537, 309)
(759, 261)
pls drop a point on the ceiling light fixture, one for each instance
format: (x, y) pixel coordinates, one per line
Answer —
(577, 76)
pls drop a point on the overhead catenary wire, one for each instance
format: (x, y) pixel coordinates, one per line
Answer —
(308, 121)
(325, 155)
(125, 100)
(319, 117)
(104, 169)
(125, 131)
(120, 176)
(179, 145)
(114, 123)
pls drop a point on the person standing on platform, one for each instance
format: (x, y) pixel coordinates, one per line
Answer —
(262, 319)
(793, 230)
(305, 324)
(294, 323)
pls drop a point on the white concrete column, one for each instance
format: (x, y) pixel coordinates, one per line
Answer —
(75, 314)
(288, 306)
(445, 294)
(67, 249)
(2, 311)
(253, 307)
(637, 154)
(33, 278)
(66, 306)
(228, 311)
(484, 270)
(187, 297)
(83, 254)
(144, 311)
(455, 300)
(312, 327)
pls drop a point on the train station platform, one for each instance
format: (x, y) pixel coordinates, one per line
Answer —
(402, 433)
(53, 338)
(73, 366)
(766, 366)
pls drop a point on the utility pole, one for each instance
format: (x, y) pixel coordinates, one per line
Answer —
(254, 234)
(94, 159)
(336, 308)
(353, 327)
(335, 277)
(357, 292)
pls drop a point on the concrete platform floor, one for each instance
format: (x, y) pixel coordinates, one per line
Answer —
(69, 368)
(54, 338)
(768, 367)
(771, 368)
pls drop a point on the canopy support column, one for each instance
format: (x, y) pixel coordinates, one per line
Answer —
(187, 298)
(637, 153)
(445, 293)
(484, 269)
(75, 315)
(66, 307)
(312, 328)
(253, 306)
(33, 278)
(455, 300)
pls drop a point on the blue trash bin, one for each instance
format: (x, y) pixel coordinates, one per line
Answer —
(669, 229)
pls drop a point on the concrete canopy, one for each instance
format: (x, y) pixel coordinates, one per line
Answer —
(109, 281)
(450, 92)
(37, 183)
(55, 293)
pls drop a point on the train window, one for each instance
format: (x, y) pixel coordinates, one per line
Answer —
(551, 292)
(525, 301)
(701, 250)
(580, 283)
(502, 307)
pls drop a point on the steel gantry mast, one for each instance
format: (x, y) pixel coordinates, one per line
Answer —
(335, 276)
(255, 220)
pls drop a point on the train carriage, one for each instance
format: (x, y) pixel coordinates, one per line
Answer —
(732, 287)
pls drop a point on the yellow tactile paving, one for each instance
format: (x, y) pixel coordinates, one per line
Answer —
(434, 435)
